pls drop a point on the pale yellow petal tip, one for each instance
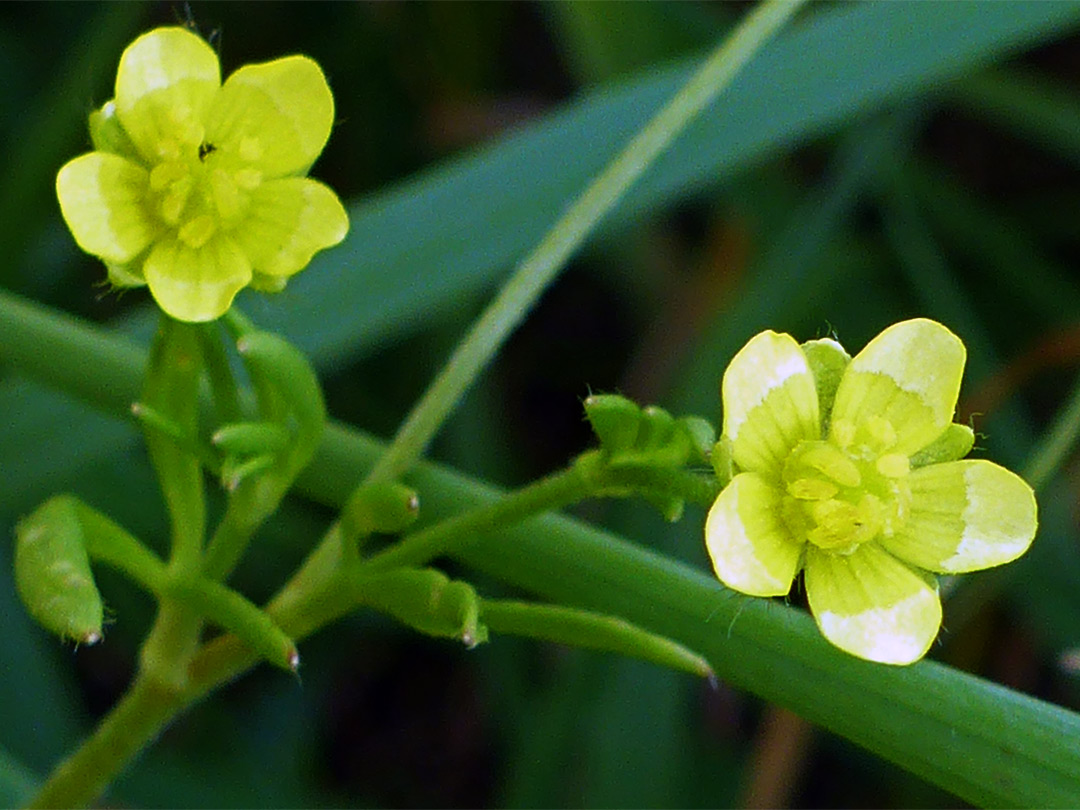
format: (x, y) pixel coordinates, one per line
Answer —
(100, 198)
(921, 356)
(900, 634)
(871, 605)
(160, 56)
(770, 401)
(750, 548)
(204, 307)
(965, 516)
(1000, 520)
(279, 113)
(766, 362)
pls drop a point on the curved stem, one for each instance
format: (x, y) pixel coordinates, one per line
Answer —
(590, 630)
(567, 486)
(541, 266)
(145, 710)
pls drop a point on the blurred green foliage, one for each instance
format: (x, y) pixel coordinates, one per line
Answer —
(937, 176)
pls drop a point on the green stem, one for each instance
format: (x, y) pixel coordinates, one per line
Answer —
(233, 534)
(690, 486)
(565, 487)
(318, 594)
(590, 630)
(219, 372)
(172, 393)
(108, 542)
(151, 419)
(540, 267)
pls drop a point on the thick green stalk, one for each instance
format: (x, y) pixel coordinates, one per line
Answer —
(951, 728)
(541, 266)
(172, 389)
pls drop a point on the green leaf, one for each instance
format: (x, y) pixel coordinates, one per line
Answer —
(911, 716)
(17, 783)
(418, 230)
(946, 726)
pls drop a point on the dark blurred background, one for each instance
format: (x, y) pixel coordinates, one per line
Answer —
(983, 192)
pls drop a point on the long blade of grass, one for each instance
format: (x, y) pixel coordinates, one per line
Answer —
(985, 743)
(540, 267)
(450, 232)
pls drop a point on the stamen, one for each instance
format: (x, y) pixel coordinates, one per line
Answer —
(197, 231)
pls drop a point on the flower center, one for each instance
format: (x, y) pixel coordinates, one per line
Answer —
(198, 188)
(840, 497)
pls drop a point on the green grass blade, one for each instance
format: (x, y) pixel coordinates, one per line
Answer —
(1035, 107)
(17, 783)
(987, 744)
(416, 249)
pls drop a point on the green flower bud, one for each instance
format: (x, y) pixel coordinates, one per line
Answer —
(954, 443)
(387, 507)
(615, 420)
(702, 435)
(827, 360)
(722, 460)
(661, 440)
(108, 134)
(52, 572)
(429, 601)
(250, 438)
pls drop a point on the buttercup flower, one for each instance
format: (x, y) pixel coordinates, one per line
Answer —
(848, 469)
(197, 188)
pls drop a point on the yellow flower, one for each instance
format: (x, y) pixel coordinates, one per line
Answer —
(197, 188)
(848, 469)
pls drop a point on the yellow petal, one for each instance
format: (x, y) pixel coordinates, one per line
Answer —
(288, 222)
(101, 197)
(908, 376)
(196, 284)
(965, 516)
(871, 605)
(275, 116)
(164, 85)
(751, 550)
(770, 402)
